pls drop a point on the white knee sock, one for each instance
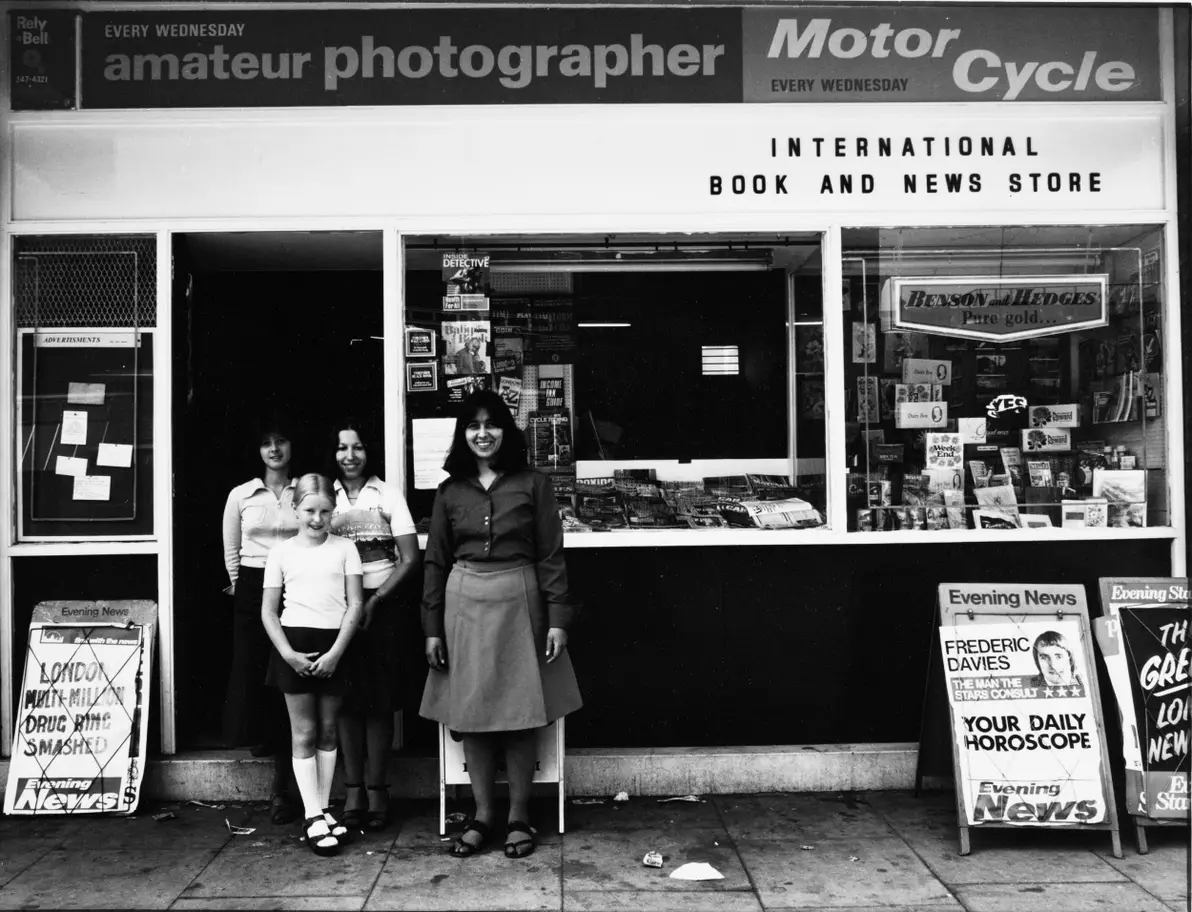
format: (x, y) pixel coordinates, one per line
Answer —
(306, 774)
(326, 763)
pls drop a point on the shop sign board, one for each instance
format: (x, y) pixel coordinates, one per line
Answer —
(83, 709)
(153, 58)
(998, 309)
(1028, 737)
(42, 67)
(1143, 636)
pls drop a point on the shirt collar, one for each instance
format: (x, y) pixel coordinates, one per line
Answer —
(373, 482)
(261, 486)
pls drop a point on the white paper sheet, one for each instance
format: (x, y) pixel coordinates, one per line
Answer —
(74, 428)
(432, 440)
(93, 487)
(85, 393)
(696, 870)
(117, 455)
(70, 465)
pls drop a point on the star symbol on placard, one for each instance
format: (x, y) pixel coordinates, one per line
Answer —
(1048, 692)
(1076, 691)
(1061, 691)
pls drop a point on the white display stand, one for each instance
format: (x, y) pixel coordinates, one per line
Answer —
(453, 770)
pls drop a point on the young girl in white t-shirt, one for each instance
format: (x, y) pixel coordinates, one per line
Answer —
(321, 574)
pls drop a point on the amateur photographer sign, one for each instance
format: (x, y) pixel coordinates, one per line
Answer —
(1028, 739)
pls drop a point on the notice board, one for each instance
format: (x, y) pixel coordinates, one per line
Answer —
(1143, 636)
(83, 709)
(1028, 737)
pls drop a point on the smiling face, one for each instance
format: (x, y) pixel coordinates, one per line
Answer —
(314, 516)
(1055, 664)
(483, 436)
(350, 455)
(276, 450)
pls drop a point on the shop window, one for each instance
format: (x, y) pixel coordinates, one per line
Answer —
(1005, 378)
(85, 309)
(653, 377)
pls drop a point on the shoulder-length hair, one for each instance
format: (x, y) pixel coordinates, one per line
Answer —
(277, 421)
(313, 483)
(511, 457)
(373, 448)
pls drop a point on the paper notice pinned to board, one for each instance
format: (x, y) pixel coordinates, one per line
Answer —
(70, 465)
(74, 428)
(93, 487)
(432, 440)
(116, 455)
(85, 393)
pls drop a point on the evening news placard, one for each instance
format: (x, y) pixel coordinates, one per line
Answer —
(1028, 749)
(1144, 639)
(82, 718)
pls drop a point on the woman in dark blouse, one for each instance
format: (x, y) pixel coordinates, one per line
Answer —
(495, 612)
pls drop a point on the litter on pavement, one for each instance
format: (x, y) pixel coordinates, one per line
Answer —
(694, 799)
(587, 801)
(238, 830)
(166, 815)
(653, 860)
(696, 870)
(204, 804)
(621, 796)
(807, 848)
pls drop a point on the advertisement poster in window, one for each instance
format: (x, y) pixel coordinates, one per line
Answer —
(1029, 742)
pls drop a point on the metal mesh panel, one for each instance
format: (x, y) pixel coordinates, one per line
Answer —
(85, 281)
(530, 282)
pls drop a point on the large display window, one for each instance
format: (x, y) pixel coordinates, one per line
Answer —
(1005, 378)
(84, 311)
(663, 382)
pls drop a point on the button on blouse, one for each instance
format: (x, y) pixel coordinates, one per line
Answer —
(515, 519)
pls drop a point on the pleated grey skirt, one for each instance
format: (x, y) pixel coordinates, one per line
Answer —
(497, 676)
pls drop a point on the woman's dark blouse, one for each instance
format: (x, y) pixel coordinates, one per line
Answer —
(515, 519)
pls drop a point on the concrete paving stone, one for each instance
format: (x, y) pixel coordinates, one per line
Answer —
(189, 828)
(17, 854)
(298, 903)
(1058, 897)
(1179, 905)
(928, 810)
(418, 828)
(885, 872)
(801, 817)
(658, 901)
(953, 906)
(252, 867)
(612, 860)
(98, 879)
(433, 880)
(1163, 871)
(1002, 855)
(641, 813)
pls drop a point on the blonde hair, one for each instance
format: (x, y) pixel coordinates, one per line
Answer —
(313, 483)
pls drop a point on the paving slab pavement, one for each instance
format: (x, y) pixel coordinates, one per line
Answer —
(844, 852)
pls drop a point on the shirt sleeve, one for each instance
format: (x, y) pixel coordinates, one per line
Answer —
(231, 535)
(352, 563)
(401, 522)
(273, 571)
(550, 564)
(440, 555)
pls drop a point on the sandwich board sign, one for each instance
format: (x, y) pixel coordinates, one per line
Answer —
(1143, 636)
(83, 709)
(1028, 738)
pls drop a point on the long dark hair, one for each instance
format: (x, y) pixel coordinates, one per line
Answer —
(267, 423)
(373, 449)
(511, 457)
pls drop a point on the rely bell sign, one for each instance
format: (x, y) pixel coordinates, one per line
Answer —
(999, 309)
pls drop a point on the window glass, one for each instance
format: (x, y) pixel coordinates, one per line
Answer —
(654, 377)
(1004, 378)
(85, 309)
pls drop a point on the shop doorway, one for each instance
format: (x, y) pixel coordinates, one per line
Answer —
(262, 321)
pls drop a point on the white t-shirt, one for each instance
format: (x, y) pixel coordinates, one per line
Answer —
(313, 580)
(378, 517)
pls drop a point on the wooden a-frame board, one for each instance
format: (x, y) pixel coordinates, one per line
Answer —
(967, 608)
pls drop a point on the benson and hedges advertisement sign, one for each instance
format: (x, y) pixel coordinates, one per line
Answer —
(999, 309)
(457, 55)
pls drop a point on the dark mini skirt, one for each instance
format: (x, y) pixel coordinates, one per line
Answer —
(309, 639)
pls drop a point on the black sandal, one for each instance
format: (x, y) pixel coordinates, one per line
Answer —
(461, 849)
(378, 820)
(323, 843)
(522, 847)
(353, 818)
(338, 830)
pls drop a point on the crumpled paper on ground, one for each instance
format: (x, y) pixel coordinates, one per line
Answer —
(696, 870)
(694, 799)
(621, 796)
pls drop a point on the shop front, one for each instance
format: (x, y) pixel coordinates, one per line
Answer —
(805, 310)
